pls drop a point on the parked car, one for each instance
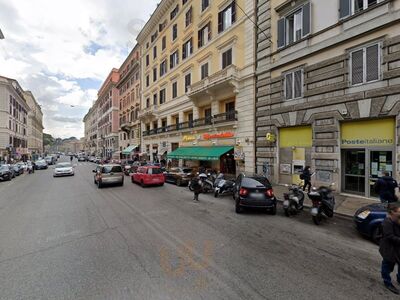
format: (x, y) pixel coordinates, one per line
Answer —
(368, 220)
(41, 164)
(82, 158)
(49, 160)
(5, 173)
(179, 176)
(63, 169)
(22, 165)
(18, 170)
(108, 174)
(91, 158)
(254, 191)
(148, 175)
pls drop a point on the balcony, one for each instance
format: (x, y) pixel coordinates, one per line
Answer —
(148, 112)
(224, 80)
(230, 116)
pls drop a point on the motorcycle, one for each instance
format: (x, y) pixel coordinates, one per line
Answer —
(294, 200)
(208, 185)
(323, 203)
(223, 186)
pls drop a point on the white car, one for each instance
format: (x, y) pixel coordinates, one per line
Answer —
(63, 169)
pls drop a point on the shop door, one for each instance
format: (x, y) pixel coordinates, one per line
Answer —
(380, 161)
(354, 171)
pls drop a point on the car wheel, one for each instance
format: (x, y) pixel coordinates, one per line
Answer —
(377, 233)
(142, 184)
(121, 183)
(273, 210)
(162, 184)
(133, 181)
(238, 208)
(178, 182)
(99, 185)
(317, 219)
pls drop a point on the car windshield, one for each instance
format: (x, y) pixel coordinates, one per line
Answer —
(111, 169)
(3, 168)
(155, 171)
(254, 182)
(63, 165)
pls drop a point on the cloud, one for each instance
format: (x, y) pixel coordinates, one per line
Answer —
(63, 50)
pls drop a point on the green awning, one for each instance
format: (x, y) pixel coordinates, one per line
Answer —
(200, 153)
(128, 149)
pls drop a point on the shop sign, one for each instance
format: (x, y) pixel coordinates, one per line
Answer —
(188, 138)
(271, 137)
(222, 135)
(238, 153)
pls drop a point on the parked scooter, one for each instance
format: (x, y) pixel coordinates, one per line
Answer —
(294, 200)
(223, 186)
(323, 203)
(208, 185)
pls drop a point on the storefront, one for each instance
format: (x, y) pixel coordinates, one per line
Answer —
(367, 150)
(130, 152)
(295, 144)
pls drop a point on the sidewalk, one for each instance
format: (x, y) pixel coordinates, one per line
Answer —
(346, 205)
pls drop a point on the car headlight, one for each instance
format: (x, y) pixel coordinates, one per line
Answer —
(364, 214)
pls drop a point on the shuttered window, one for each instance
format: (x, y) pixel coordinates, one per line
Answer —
(293, 84)
(294, 26)
(365, 64)
(351, 7)
(227, 17)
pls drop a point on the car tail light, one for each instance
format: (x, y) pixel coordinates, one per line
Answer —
(243, 192)
(269, 193)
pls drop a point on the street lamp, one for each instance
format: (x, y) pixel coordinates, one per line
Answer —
(1, 35)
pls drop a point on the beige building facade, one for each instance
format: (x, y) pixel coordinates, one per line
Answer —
(35, 125)
(328, 91)
(197, 66)
(129, 105)
(90, 127)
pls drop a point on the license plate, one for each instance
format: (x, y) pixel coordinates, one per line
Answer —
(257, 196)
(286, 203)
(314, 211)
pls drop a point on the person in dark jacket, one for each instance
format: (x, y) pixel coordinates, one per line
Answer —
(306, 176)
(385, 187)
(197, 186)
(390, 246)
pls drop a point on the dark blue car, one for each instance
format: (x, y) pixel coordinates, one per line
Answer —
(368, 220)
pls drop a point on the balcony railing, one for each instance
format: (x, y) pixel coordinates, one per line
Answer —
(229, 116)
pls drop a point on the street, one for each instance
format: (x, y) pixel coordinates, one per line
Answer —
(63, 238)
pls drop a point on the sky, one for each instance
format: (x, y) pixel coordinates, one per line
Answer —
(62, 50)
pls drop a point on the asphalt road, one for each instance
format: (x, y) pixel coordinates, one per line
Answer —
(62, 238)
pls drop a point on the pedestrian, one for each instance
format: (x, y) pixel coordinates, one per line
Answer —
(385, 187)
(390, 246)
(197, 187)
(71, 158)
(306, 176)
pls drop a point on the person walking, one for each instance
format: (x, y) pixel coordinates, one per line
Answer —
(390, 246)
(196, 185)
(306, 176)
(71, 158)
(385, 187)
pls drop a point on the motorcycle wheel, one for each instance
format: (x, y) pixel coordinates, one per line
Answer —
(287, 214)
(190, 187)
(317, 219)
(216, 194)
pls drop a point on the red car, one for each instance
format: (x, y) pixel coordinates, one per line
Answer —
(148, 175)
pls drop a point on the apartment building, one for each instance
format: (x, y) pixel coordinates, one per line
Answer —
(328, 91)
(107, 105)
(197, 70)
(129, 105)
(13, 120)
(90, 127)
(35, 126)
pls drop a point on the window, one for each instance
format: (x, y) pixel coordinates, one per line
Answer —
(184, 2)
(295, 26)
(147, 102)
(162, 25)
(155, 99)
(154, 36)
(188, 17)
(163, 68)
(174, 32)
(154, 74)
(226, 58)
(227, 17)
(187, 48)
(204, 4)
(174, 12)
(207, 115)
(293, 84)
(163, 43)
(188, 80)
(204, 35)
(154, 52)
(147, 80)
(204, 70)
(365, 64)
(351, 7)
(162, 96)
(174, 90)
(174, 59)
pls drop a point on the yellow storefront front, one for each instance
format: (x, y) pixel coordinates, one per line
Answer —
(367, 150)
(295, 145)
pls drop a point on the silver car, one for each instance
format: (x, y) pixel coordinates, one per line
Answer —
(63, 169)
(108, 174)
